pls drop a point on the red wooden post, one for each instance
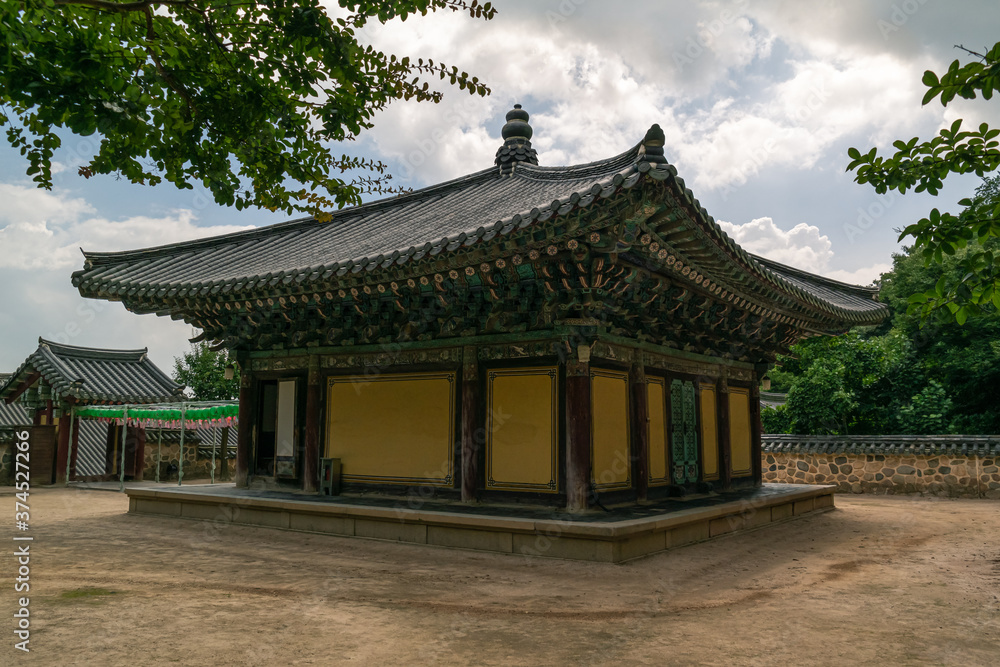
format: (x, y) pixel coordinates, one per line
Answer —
(640, 428)
(245, 430)
(725, 469)
(62, 448)
(140, 453)
(310, 465)
(470, 423)
(578, 460)
(111, 443)
(74, 450)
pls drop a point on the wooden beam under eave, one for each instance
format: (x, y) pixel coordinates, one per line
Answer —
(21, 388)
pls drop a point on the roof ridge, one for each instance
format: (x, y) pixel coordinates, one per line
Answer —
(81, 351)
(815, 277)
(579, 170)
(630, 154)
(266, 230)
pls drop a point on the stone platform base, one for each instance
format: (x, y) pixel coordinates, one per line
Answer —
(614, 537)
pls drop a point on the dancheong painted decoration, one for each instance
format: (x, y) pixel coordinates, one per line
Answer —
(526, 332)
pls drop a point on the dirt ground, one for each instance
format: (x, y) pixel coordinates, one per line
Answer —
(880, 580)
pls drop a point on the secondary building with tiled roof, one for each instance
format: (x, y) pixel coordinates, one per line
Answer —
(56, 377)
(599, 306)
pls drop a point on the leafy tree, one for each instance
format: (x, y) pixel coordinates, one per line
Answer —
(203, 371)
(776, 419)
(906, 375)
(819, 403)
(923, 166)
(241, 96)
(927, 411)
(867, 369)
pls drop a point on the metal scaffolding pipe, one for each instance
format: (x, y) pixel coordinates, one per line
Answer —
(180, 457)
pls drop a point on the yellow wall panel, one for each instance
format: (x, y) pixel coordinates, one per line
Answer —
(709, 433)
(522, 430)
(396, 429)
(657, 400)
(611, 467)
(739, 432)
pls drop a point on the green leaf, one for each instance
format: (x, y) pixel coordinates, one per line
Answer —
(171, 105)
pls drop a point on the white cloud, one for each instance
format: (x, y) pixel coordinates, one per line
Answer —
(45, 305)
(594, 84)
(45, 230)
(866, 275)
(763, 93)
(30, 206)
(802, 246)
(40, 235)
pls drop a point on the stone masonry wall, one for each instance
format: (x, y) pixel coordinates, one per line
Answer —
(195, 466)
(947, 476)
(6, 464)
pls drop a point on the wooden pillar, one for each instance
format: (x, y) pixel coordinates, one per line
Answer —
(244, 434)
(640, 428)
(140, 453)
(62, 447)
(470, 423)
(578, 414)
(310, 464)
(75, 449)
(224, 449)
(111, 449)
(756, 429)
(725, 452)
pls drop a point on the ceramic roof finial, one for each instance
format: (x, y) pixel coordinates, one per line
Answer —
(516, 147)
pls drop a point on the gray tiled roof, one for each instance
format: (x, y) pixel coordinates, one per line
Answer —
(847, 296)
(772, 398)
(115, 376)
(12, 414)
(412, 225)
(480, 208)
(92, 446)
(894, 445)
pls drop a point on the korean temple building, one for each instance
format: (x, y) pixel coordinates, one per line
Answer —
(550, 335)
(57, 377)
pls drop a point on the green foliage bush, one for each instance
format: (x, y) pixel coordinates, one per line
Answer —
(203, 372)
(776, 419)
(908, 375)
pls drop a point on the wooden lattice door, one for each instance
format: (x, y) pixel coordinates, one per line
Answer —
(684, 432)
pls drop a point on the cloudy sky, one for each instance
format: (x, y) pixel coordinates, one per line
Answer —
(759, 100)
